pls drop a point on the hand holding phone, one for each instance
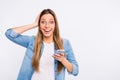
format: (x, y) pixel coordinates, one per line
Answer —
(59, 55)
(60, 51)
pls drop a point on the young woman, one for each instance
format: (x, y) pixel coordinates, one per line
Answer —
(41, 62)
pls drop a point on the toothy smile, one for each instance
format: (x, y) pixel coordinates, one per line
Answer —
(47, 30)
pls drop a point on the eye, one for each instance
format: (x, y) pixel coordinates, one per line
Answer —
(52, 22)
(43, 22)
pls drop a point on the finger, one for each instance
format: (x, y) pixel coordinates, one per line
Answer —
(62, 54)
(57, 55)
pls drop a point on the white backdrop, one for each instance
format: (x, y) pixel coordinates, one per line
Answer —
(92, 26)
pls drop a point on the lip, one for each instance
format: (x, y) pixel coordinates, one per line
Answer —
(47, 31)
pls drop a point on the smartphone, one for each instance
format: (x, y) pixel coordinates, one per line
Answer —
(60, 51)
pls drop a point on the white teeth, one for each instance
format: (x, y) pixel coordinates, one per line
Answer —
(47, 30)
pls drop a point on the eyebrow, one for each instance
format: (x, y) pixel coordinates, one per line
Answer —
(44, 19)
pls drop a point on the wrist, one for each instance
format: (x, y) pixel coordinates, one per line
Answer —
(34, 25)
(63, 60)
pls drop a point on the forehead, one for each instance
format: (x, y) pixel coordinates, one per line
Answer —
(47, 17)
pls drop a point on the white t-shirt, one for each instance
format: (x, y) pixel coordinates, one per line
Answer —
(46, 64)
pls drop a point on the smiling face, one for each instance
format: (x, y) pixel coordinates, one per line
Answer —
(47, 25)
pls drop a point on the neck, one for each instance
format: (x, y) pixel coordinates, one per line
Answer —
(48, 40)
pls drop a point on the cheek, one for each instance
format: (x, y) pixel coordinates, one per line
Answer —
(41, 28)
(53, 27)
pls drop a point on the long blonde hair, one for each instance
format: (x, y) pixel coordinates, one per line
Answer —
(39, 38)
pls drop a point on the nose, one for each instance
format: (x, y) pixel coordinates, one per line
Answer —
(47, 25)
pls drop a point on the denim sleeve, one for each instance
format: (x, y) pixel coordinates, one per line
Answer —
(70, 57)
(18, 38)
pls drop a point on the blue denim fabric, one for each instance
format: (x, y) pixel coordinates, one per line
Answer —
(26, 70)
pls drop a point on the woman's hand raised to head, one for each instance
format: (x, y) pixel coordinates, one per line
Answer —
(36, 21)
(21, 29)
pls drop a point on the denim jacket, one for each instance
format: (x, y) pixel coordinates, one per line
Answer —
(26, 70)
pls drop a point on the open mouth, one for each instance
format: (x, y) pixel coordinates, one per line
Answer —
(47, 31)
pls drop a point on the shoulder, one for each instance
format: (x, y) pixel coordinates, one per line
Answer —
(66, 42)
(32, 38)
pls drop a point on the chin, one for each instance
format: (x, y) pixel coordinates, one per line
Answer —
(47, 36)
